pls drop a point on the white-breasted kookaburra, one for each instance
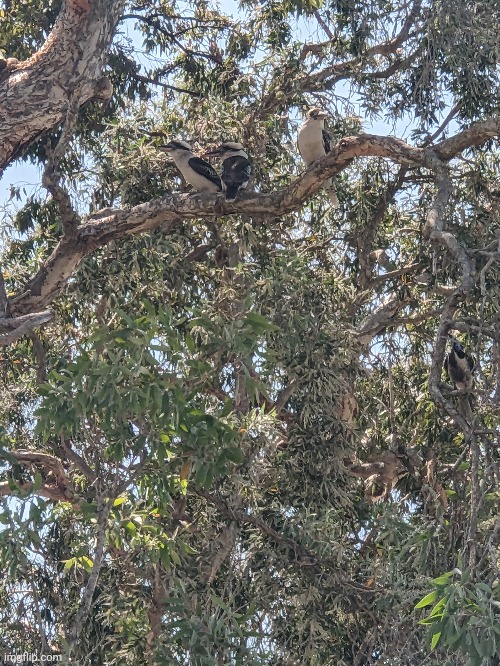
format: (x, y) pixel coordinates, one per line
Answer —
(314, 143)
(197, 172)
(236, 168)
(459, 367)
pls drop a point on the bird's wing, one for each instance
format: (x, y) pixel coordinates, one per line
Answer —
(327, 141)
(239, 166)
(205, 169)
(247, 168)
(455, 372)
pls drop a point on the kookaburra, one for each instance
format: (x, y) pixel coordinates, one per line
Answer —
(314, 143)
(459, 367)
(197, 172)
(236, 168)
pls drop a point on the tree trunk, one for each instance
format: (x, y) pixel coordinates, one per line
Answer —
(35, 94)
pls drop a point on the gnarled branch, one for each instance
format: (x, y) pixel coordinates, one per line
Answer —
(112, 224)
(23, 325)
(56, 487)
(35, 94)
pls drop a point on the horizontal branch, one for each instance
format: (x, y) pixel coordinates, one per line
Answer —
(51, 493)
(56, 486)
(475, 135)
(112, 224)
(17, 327)
(383, 316)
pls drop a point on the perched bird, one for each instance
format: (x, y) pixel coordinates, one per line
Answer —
(314, 143)
(459, 367)
(236, 168)
(197, 172)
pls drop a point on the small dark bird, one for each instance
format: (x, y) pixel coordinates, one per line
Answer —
(236, 168)
(197, 172)
(459, 367)
(314, 142)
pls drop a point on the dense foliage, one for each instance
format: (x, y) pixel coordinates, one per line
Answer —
(252, 468)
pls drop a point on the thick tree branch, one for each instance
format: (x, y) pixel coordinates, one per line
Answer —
(155, 613)
(41, 357)
(52, 493)
(51, 176)
(475, 135)
(383, 316)
(56, 487)
(112, 224)
(35, 95)
(77, 460)
(23, 325)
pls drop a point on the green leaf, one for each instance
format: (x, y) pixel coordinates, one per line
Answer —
(259, 323)
(175, 557)
(435, 639)
(484, 588)
(165, 557)
(130, 527)
(234, 454)
(427, 621)
(68, 564)
(38, 481)
(444, 579)
(86, 563)
(428, 599)
(218, 601)
(466, 574)
(440, 604)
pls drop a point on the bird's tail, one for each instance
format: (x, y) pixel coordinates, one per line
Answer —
(332, 195)
(231, 191)
(465, 407)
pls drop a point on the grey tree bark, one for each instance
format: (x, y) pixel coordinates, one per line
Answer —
(36, 93)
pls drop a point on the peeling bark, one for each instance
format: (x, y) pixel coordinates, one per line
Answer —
(17, 327)
(36, 93)
(57, 487)
(112, 224)
(383, 316)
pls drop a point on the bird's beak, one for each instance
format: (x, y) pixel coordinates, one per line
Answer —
(166, 148)
(322, 115)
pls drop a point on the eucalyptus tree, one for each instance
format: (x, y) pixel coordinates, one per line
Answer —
(226, 432)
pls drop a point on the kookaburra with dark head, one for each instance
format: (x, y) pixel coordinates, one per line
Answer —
(197, 172)
(314, 143)
(460, 367)
(236, 168)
